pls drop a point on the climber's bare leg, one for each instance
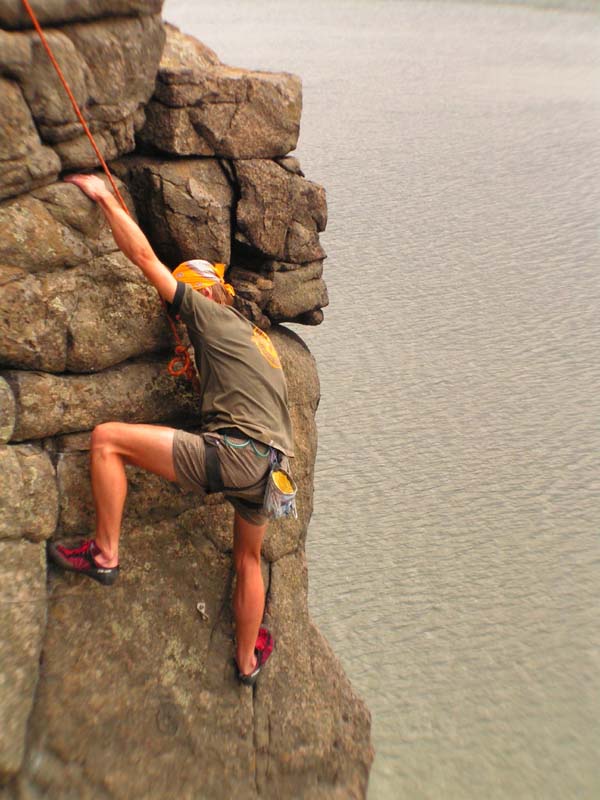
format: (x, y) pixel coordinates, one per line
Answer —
(249, 594)
(115, 444)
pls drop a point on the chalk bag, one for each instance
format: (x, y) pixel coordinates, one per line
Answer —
(280, 494)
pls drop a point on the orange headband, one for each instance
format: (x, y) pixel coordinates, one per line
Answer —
(199, 273)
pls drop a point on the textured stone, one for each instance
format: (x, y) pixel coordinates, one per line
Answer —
(184, 207)
(69, 302)
(81, 320)
(138, 391)
(290, 163)
(202, 107)
(115, 139)
(53, 228)
(8, 410)
(28, 493)
(22, 619)
(270, 291)
(15, 53)
(297, 289)
(324, 710)
(253, 287)
(150, 498)
(174, 697)
(110, 68)
(279, 213)
(14, 15)
(49, 103)
(24, 161)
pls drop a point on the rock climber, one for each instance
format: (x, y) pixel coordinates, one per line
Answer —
(245, 420)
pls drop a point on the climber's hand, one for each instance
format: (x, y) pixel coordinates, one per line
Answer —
(90, 185)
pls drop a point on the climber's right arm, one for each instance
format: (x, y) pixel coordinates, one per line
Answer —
(128, 236)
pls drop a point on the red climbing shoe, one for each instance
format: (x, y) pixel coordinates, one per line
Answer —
(262, 651)
(81, 559)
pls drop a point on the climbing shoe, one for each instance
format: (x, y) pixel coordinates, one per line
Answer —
(81, 559)
(262, 651)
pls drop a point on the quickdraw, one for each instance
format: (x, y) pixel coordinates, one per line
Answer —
(181, 364)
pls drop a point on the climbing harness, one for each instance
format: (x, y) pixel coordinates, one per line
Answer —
(181, 364)
(280, 491)
(248, 443)
(213, 465)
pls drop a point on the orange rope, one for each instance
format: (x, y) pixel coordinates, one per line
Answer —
(44, 41)
(181, 364)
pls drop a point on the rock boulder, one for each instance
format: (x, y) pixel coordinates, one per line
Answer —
(81, 320)
(24, 161)
(279, 213)
(54, 228)
(202, 107)
(185, 206)
(138, 391)
(110, 67)
(28, 493)
(298, 289)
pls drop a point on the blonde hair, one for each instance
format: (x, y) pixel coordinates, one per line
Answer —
(220, 295)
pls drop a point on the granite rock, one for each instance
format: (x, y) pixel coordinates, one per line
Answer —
(80, 320)
(297, 290)
(28, 493)
(24, 161)
(83, 336)
(15, 53)
(137, 391)
(279, 213)
(54, 228)
(22, 621)
(202, 107)
(110, 67)
(8, 411)
(52, 12)
(325, 708)
(174, 696)
(174, 699)
(184, 207)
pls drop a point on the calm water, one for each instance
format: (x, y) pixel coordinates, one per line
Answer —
(454, 555)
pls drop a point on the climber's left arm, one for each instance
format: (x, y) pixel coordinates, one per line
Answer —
(127, 234)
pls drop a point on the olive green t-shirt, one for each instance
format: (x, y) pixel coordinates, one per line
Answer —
(241, 380)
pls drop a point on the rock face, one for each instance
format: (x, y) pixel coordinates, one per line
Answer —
(22, 620)
(279, 213)
(188, 206)
(83, 340)
(25, 162)
(202, 107)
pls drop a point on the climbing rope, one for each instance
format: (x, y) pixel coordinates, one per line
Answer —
(181, 364)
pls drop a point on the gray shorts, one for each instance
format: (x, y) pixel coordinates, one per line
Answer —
(244, 472)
